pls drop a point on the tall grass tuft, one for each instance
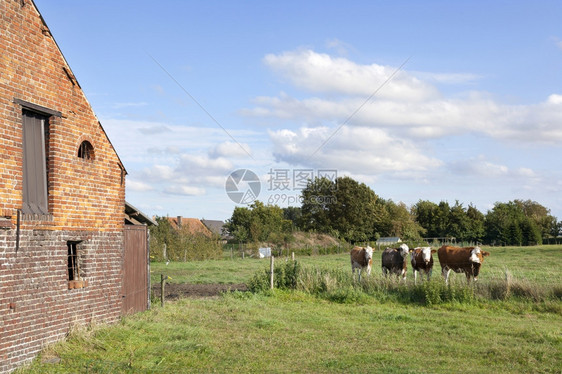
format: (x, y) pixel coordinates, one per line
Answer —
(339, 286)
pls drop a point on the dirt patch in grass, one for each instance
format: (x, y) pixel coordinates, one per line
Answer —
(176, 291)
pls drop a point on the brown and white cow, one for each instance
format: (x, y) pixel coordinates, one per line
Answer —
(467, 260)
(395, 261)
(361, 258)
(422, 260)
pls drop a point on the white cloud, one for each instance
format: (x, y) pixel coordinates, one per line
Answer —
(230, 149)
(135, 185)
(184, 190)
(318, 72)
(554, 99)
(195, 166)
(480, 167)
(408, 106)
(157, 173)
(526, 172)
(358, 150)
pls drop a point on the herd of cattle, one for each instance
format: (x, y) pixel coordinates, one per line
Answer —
(467, 260)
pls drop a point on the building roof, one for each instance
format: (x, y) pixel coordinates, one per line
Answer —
(192, 225)
(215, 226)
(133, 216)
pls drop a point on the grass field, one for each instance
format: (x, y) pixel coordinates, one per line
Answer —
(293, 331)
(540, 264)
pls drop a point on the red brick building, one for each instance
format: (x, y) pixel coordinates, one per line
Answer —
(62, 195)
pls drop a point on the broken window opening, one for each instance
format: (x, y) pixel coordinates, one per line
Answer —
(73, 260)
(86, 150)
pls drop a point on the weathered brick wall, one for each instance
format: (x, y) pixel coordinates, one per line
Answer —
(85, 197)
(82, 193)
(37, 307)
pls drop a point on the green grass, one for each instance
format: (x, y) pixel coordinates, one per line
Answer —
(208, 271)
(377, 326)
(540, 264)
(292, 331)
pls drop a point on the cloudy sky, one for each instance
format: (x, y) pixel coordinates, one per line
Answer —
(427, 100)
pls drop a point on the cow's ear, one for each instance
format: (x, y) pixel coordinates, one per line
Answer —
(484, 253)
(433, 250)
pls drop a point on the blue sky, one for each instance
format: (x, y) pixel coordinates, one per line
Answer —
(432, 100)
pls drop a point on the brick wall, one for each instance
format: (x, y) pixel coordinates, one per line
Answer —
(82, 193)
(37, 307)
(85, 197)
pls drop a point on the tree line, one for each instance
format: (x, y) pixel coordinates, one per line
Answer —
(352, 211)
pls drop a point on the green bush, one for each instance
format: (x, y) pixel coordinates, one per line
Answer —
(181, 244)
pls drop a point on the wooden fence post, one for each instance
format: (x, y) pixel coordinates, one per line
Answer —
(271, 272)
(293, 256)
(162, 288)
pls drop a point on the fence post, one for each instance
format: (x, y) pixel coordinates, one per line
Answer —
(293, 256)
(162, 288)
(271, 272)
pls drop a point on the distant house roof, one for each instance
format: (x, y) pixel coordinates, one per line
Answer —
(133, 216)
(216, 227)
(192, 225)
(389, 240)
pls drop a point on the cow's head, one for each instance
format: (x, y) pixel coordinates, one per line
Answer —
(426, 254)
(368, 253)
(477, 255)
(404, 250)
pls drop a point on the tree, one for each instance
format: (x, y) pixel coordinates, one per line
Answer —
(475, 223)
(402, 222)
(257, 223)
(512, 234)
(539, 214)
(458, 223)
(353, 210)
(425, 213)
(433, 218)
(517, 223)
(344, 206)
(239, 224)
(317, 198)
(293, 214)
(556, 229)
(163, 236)
(498, 222)
(530, 232)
